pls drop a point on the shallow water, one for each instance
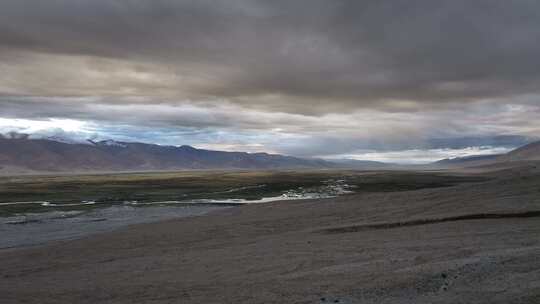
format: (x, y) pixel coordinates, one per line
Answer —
(330, 188)
(60, 222)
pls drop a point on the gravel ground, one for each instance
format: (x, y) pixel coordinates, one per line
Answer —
(307, 252)
(40, 228)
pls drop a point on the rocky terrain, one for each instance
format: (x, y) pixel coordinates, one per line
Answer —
(469, 243)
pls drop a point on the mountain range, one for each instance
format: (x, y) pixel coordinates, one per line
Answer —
(21, 154)
(529, 152)
(46, 155)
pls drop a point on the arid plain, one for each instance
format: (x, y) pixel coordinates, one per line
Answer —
(476, 241)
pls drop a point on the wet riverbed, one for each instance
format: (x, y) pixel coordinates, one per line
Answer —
(61, 221)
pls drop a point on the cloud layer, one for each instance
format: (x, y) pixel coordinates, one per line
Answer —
(307, 78)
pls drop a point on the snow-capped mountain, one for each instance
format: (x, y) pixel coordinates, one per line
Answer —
(61, 154)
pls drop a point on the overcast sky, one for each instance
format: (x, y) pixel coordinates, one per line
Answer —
(408, 81)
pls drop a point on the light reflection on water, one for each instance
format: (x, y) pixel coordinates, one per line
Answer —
(33, 228)
(330, 188)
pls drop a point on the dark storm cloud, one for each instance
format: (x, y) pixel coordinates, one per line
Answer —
(310, 78)
(309, 53)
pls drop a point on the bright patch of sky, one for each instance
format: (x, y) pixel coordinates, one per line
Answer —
(417, 156)
(69, 128)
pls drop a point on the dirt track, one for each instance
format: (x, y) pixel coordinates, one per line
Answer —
(307, 252)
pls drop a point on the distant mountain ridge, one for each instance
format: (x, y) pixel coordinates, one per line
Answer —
(529, 152)
(525, 153)
(467, 159)
(20, 153)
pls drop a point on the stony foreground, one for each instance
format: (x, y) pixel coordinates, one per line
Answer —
(472, 243)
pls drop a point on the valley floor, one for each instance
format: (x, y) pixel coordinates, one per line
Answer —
(470, 243)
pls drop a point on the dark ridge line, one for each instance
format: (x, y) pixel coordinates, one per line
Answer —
(419, 222)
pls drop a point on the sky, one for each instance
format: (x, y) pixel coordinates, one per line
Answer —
(406, 81)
